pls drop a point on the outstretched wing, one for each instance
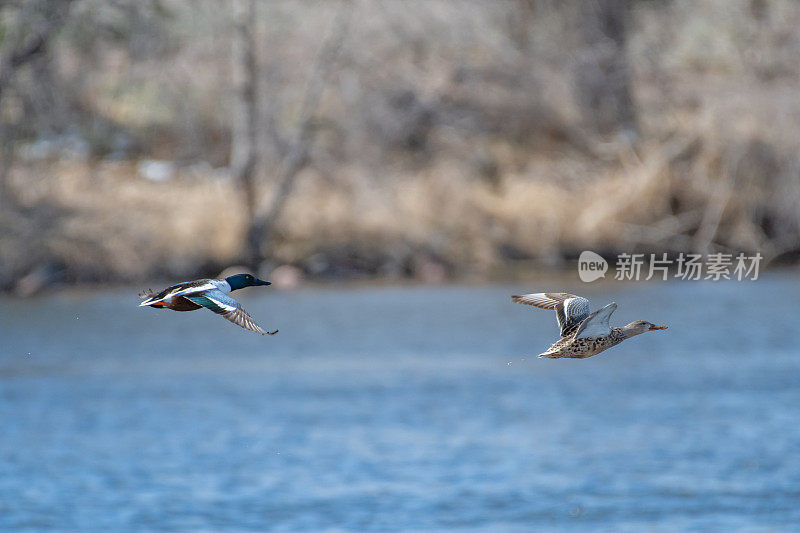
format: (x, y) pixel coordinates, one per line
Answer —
(570, 310)
(597, 323)
(224, 305)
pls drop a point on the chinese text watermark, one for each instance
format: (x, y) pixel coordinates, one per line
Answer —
(714, 267)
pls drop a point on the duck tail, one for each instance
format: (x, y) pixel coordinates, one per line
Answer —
(148, 296)
(550, 355)
(145, 294)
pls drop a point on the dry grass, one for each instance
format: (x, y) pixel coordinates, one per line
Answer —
(683, 194)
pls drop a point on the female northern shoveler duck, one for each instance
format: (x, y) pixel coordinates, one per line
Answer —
(211, 294)
(582, 334)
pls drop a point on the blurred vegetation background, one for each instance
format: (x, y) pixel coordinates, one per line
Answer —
(431, 139)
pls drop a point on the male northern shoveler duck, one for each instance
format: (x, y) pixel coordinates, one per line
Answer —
(211, 294)
(582, 334)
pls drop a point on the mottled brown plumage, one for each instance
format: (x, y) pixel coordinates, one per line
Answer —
(582, 347)
(583, 336)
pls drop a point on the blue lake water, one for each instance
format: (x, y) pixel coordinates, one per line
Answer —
(402, 409)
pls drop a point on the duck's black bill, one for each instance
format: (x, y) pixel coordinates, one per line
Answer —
(262, 282)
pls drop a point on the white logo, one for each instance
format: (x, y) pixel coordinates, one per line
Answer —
(591, 266)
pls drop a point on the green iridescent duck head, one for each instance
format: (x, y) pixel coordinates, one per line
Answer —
(240, 281)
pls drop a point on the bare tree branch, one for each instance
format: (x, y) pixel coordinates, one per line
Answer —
(33, 44)
(604, 74)
(11, 60)
(262, 225)
(244, 154)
